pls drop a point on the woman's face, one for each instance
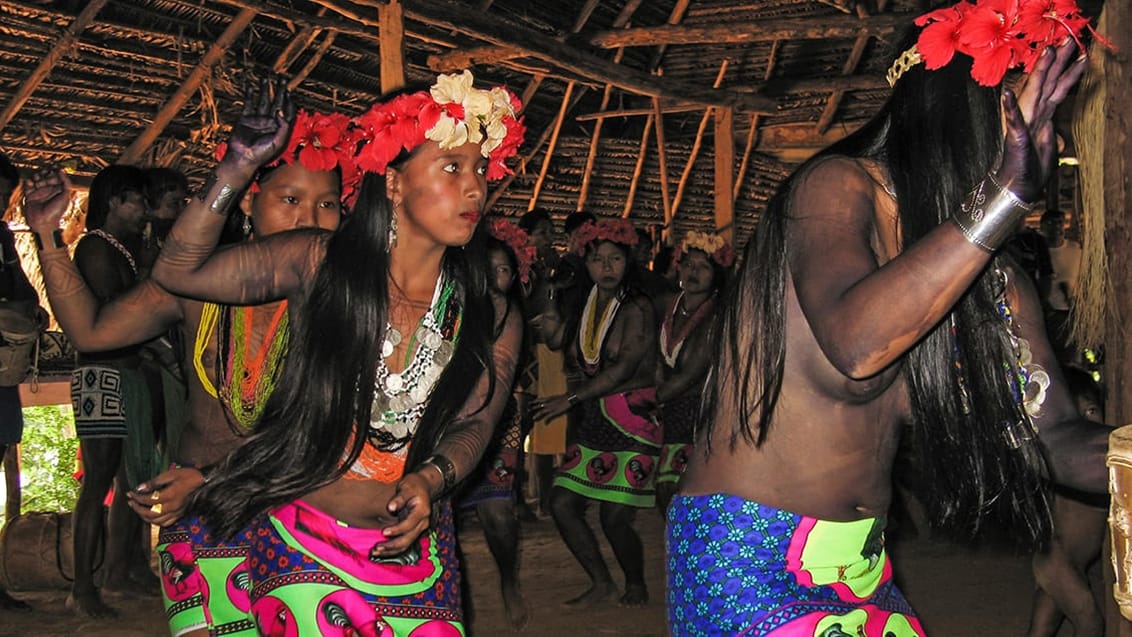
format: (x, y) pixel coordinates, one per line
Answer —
(438, 195)
(605, 263)
(696, 274)
(503, 275)
(293, 197)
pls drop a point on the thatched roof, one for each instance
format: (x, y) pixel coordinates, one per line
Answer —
(89, 83)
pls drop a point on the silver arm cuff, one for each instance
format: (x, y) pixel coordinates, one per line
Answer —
(989, 214)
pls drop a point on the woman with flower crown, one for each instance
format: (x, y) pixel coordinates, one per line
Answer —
(400, 363)
(701, 261)
(235, 355)
(492, 493)
(872, 302)
(611, 455)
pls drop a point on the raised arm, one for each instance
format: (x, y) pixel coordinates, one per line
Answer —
(866, 317)
(135, 316)
(255, 272)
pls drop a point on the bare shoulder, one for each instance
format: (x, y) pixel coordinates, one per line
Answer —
(835, 173)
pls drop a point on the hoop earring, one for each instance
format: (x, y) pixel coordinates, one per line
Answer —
(247, 227)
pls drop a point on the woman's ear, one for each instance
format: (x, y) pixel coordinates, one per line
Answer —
(246, 202)
(393, 186)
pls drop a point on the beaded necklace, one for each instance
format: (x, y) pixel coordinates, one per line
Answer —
(245, 383)
(591, 333)
(400, 398)
(670, 346)
(1028, 380)
(109, 238)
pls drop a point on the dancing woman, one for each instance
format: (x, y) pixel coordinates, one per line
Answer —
(395, 377)
(870, 302)
(702, 261)
(611, 457)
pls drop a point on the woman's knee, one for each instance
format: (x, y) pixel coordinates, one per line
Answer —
(565, 505)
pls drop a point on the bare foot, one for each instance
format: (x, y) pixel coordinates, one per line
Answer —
(516, 607)
(597, 593)
(7, 602)
(636, 596)
(89, 605)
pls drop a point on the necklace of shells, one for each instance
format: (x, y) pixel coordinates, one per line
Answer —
(400, 398)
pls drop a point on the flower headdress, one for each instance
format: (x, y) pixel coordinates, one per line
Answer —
(615, 230)
(997, 34)
(451, 113)
(319, 141)
(518, 242)
(715, 246)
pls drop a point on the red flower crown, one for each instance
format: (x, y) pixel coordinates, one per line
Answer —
(615, 230)
(715, 246)
(518, 242)
(451, 113)
(997, 34)
(319, 141)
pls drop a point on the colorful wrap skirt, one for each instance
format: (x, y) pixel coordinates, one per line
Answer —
(204, 582)
(737, 567)
(311, 575)
(679, 419)
(495, 478)
(612, 456)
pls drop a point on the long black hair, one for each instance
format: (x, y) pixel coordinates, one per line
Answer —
(315, 424)
(939, 134)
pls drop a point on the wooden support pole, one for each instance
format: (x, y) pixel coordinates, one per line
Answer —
(140, 145)
(550, 148)
(296, 46)
(457, 16)
(753, 131)
(637, 169)
(753, 31)
(724, 160)
(595, 138)
(834, 100)
(309, 67)
(61, 48)
(662, 159)
(392, 30)
(695, 147)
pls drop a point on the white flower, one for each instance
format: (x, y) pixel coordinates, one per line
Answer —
(451, 88)
(477, 105)
(448, 132)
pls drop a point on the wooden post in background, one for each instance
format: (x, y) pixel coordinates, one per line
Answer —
(392, 33)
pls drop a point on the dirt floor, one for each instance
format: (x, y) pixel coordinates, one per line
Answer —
(956, 592)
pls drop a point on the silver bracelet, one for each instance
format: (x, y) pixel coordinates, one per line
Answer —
(989, 214)
(223, 198)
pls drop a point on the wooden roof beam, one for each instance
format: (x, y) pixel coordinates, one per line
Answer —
(60, 49)
(447, 14)
(392, 46)
(822, 28)
(140, 145)
(802, 136)
(851, 64)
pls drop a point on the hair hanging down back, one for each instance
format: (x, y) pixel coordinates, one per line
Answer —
(315, 424)
(938, 134)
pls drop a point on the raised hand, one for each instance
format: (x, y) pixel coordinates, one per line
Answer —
(47, 195)
(264, 128)
(1030, 145)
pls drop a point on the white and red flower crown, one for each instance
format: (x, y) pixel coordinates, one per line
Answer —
(518, 242)
(715, 246)
(997, 34)
(452, 113)
(615, 230)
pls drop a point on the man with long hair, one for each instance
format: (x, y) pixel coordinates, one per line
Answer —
(872, 302)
